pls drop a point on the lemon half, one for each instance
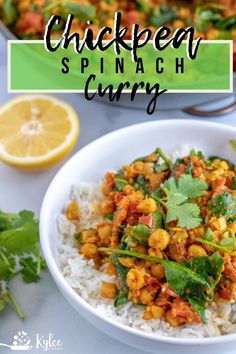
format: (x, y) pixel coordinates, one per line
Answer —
(37, 131)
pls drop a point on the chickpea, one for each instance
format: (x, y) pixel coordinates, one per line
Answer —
(142, 168)
(104, 233)
(180, 235)
(89, 236)
(178, 24)
(89, 250)
(153, 312)
(107, 207)
(23, 6)
(159, 239)
(108, 290)
(220, 224)
(105, 189)
(232, 227)
(72, 211)
(147, 206)
(212, 33)
(172, 320)
(127, 261)
(158, 271)
(135, 278)
(145, 296)
(224, 165)
(111, 269)
(196, 251)
(155, 253)
(140, 249)
(155, 180)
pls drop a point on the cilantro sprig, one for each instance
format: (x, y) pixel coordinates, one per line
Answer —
(176, 200)
(19, 253)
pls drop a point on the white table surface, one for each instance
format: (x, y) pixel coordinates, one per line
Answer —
(45, 308)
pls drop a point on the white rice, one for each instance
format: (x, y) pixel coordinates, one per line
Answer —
(86, 280)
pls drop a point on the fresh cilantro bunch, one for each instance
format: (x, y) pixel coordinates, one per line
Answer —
(177, 201)
(19, 253)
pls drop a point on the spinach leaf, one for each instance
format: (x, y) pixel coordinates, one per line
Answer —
(163, 16)
(141, 232)
(158, 219)
(121, 271)
(208, 235)
(199, 306)
(207, 266)
(142, 185)
(183, 281)
(121, 297)
(82, 11)
(228, 242)
(109, 217)
(9, 12)
(223, 205)
(179, 277)
(227, 23)
(233, 183)
(143, 6)
(120, 183)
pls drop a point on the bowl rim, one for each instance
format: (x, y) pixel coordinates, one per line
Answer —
(61, 282)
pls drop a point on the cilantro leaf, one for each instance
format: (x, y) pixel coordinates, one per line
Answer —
(177, 194)
(20, 240)
(191, 187)
(171, 185)
(29, 270)
(187, 214)
(187, 186)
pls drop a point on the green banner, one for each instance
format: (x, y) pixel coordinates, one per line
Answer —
(33, 68)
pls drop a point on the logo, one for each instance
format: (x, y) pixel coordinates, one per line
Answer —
(22, 342)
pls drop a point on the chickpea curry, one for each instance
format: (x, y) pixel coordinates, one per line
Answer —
(167, 235)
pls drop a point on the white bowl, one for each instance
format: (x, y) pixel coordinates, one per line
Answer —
(90, 164)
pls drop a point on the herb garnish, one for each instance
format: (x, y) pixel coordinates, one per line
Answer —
(19, 253)
(176, 201)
